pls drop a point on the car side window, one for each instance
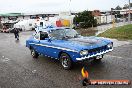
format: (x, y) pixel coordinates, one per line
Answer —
(43, 35)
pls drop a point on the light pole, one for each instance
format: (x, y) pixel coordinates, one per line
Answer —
(129, 15)
(70, 7)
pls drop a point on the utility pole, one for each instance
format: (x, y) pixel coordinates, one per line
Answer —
(70, 7)
(129, 15)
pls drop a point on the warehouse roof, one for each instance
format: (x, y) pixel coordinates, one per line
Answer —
(11, 14)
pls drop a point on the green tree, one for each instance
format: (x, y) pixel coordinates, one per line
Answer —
(118, 8)
(85, 19)
(117, 13)
(126, 6)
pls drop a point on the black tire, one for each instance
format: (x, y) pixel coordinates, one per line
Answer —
(34, 53)
(65, 61)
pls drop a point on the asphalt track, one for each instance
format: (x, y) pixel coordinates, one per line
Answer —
(19, 70)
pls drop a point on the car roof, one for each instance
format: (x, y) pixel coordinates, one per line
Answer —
(55, 28)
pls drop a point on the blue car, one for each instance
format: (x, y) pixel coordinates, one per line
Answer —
(68, 46)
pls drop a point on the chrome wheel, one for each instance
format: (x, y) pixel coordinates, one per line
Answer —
(65, 61)
(34, 53)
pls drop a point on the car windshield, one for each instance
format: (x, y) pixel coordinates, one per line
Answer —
(64, 34)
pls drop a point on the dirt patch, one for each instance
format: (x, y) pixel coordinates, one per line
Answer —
(87, 32)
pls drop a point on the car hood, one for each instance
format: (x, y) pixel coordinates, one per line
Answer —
(83, 43)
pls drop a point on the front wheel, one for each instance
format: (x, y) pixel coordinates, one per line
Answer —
(65, 61)
(34, 53)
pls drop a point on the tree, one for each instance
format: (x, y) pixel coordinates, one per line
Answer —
(118, 8)
(126, 6)
(85, 19)
(0, 23)
(118, 15)
(130, 5)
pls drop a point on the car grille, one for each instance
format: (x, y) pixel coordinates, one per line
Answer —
(97, 50)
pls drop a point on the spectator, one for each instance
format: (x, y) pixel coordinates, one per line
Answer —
(16, 33)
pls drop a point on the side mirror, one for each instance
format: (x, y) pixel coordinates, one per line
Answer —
(48, 39)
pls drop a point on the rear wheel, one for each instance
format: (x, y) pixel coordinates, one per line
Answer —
(34, 53)
(65, 61)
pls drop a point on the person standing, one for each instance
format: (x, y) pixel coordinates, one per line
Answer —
(16, 33)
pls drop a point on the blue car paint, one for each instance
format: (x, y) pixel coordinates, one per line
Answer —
(74, 47)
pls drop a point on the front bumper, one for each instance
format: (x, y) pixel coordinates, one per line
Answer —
(91, 56)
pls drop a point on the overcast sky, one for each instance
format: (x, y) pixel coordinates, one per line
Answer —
(24, 6)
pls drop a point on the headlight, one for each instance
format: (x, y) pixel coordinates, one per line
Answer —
(84, 52)
(110, 45)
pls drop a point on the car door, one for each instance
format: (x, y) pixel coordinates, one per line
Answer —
(52, 49)
(43, 43)
(53, 45)
(48, 47)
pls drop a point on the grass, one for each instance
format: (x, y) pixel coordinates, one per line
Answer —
(120, 33)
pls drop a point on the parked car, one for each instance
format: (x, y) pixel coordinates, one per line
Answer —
(67, 46)
(1, 30)
(5, 29)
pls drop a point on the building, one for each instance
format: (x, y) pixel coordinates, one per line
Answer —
(9, 17)
(102, 17)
